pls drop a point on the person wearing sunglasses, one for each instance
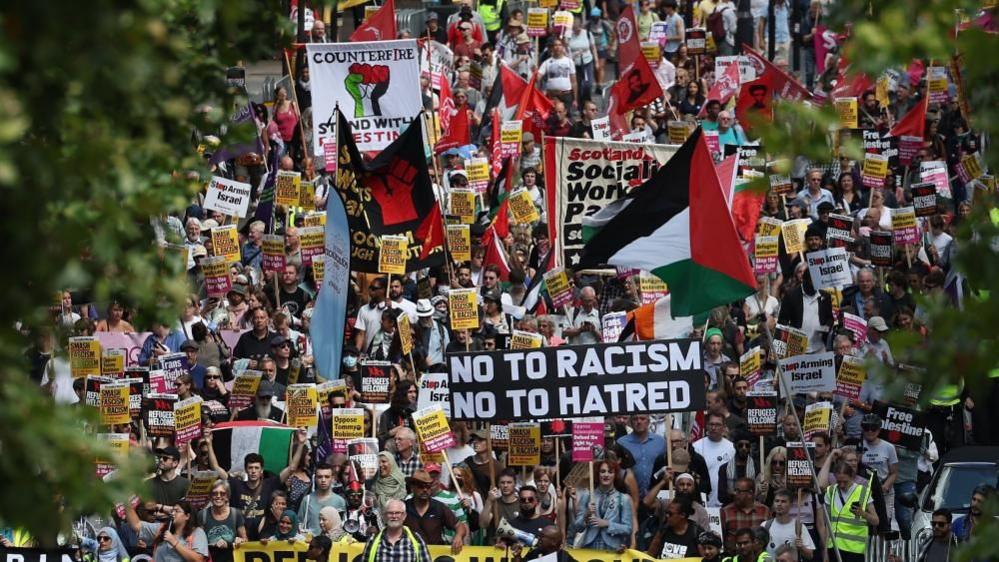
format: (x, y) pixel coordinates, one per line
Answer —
(742, 465)
(107, 547)
(429, 517)
(224, 525)
(942, 542)
(773, 476)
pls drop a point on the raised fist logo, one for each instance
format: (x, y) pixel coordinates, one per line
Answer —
(394, 192)
(367, 83)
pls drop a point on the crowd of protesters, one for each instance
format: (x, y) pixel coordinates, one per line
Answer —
(635, 500)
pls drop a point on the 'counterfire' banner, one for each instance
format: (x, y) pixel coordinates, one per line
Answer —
(577, 381)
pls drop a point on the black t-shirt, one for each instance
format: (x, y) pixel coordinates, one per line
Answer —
(679, 546)
(252, 503)
(295, 301)
(532, 526)
(250, 346)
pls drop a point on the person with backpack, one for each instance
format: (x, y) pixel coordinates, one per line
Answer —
(721, 23)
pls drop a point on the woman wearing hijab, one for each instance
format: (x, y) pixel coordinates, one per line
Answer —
(389, 483)
(331, 524)
(287, 528)
(107, 547)
(178, 540)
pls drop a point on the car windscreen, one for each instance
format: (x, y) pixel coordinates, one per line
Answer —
(952, 488)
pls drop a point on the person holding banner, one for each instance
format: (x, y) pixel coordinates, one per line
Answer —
(224, 525)
(605, 516)
(397, 542)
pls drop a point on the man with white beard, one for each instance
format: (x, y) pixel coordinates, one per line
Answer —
(262, 409)
(396, 542)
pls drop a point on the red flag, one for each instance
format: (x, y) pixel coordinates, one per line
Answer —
(379, 27)
(913, 124)
(697, 428)
(783, 84)
(430, 232)
(723, 89)
(824, 40)
(495, 254)
(501, 222)
(755, 98)
(628, 48)
(458, 134)
(637, 87)
(534, 108)
(445, 108)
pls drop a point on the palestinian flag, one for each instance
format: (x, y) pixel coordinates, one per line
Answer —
(507, 90)
(679, 228)
(234, 440)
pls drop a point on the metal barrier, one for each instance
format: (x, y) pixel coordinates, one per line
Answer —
(413, 20)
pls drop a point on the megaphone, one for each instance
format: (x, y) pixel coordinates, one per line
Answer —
(351, 526)
(506, 532)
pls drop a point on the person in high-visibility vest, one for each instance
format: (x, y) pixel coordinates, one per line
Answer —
(396, 542)
(850, 512)
(493, 13)
(945, 416)
(751, 542)
(16, 538)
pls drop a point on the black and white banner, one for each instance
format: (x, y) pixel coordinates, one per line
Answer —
(376, 85)
(577, 381)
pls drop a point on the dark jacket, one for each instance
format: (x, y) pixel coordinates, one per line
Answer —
(792, 309)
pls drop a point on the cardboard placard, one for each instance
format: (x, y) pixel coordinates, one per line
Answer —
(84, 356)
(937, 84)
(463, 306)
(312, 243)
(857, 326)
(158, 410)
(286, 188)
(392, 254)
(273, 245)
(875, 170)
(766, 249)
(522, 208)
(793, 232)
(651, 288)
(114, 403)
(511, 133)
(433, 430)
(901, 426)
(769, 226)
(817, 418)
(478, 174)
(459, 240)
(924, 199)
(228, 197)
(799, 466)
(525, 340)
(903, 226)
(187, 420)
(696, 38)
(113, 363)
(364, 453)
(814, 372)
(847, 109)
(653, 53)
(118, 442)
(781, 185)
(218, 276)
(307, 195)
(301, 405)
(314, 218)
(200, 488)
(830, 268)
(462, 205)
(851, 376)
(751, 365)
(838, 231)
(612, 325)
(678, 131)
(587, 435)
(244, 389)
(761, 412)
(225, 242)
(882, 254)
(375, 376)
(559, 289)
(789, 341)
(525, 444)
(537, 20)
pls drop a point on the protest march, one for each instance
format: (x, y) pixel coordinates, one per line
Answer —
(503, 281)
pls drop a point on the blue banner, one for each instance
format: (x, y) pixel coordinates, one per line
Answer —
(331, 305)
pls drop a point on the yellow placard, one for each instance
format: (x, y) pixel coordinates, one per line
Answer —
(286, 188)
(767, 246)
(525, 340)
(348, 423)
(433, 430)
(511, 132)
(392, 254)
(903, 218)
(751, 362)
(936, 77)
(769, 226)
(301, 405)
(114, 404)
(244, 388)
(972, 165)
(463, 306)
(317, 218)
(848, 111)
(405, 333)
(852, 371)
(225, 242)
(875, 165)
(463, 205)
(652, 52)
(326, 389)
(84, 357)
(187, 419)
(525, 444)
(817, 419)
(307, 195)
(881, 91)
(650, 284)
(312, 241)
(370, 11)
(478, 173)
(459, 240)
(678, 131)
(113, 362)
(537, 18)
(319, 269)
(793, 232)
(562, 19)
(522, 209)
(557, 284)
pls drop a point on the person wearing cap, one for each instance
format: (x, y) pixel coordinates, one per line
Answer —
(709, 545)
(876, 345)
(879, 456)
(190, 348)
(263, 407)
(743, 465)
(813, 194)
(429, 517)
(478, 463)
(530, 155)
(450, 500)
(168, 487)
(434, 30)
(713, 355)
(431, 336)
(677, 538)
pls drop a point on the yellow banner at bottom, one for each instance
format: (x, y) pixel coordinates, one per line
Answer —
(283, 551)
